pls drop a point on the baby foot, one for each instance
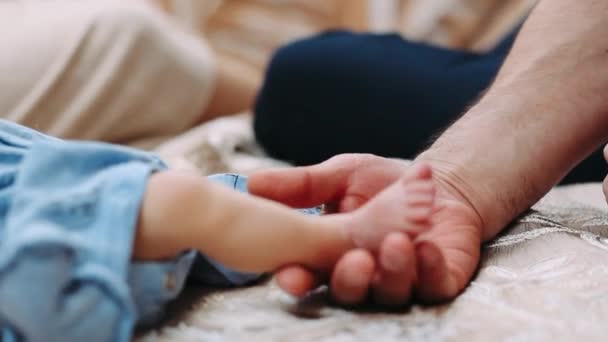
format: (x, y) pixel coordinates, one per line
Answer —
(405, 206)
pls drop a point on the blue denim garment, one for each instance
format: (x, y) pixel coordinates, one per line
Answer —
(67, 216)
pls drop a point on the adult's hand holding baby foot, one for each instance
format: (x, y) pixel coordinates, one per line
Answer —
(543, 114)
(435, 268)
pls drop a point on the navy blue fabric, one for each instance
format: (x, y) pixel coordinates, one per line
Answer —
(341, 92)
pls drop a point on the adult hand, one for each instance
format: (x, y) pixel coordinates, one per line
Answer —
(435, 266)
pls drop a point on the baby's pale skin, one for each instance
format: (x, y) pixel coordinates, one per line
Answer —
(183, 211)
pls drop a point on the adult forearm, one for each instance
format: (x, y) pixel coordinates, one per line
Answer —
(545, 112)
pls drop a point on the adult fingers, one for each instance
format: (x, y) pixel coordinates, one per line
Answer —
(397, 272)
(436, 282)
(352, 277)
(297, 280)
(303, 186)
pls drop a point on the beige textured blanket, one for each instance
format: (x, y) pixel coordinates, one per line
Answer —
(544, 279)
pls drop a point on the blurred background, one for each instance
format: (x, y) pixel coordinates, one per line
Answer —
(248, 31)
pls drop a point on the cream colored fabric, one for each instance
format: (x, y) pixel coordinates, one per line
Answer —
(113, 70)
(469, 24)
(223, 145)
(251, 30)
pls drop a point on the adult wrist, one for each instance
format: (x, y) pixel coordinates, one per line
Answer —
(456, 181)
